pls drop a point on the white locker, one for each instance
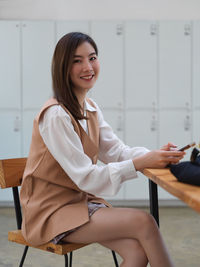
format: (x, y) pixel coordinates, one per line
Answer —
(6, 195)
(28, 118)
(196, 64)
(10, 82)
(64, 27)
(115, 118)
(175, 127)
(141, 127)
(10, 134)
(137, 189)
(38, 40)
(141, 63)
(108, 36)
(141, 130)
(174, 63)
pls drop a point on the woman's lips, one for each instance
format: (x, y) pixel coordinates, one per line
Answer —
(87, 77)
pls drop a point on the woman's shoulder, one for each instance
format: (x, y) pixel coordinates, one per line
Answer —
(54, 114)
(56, 111)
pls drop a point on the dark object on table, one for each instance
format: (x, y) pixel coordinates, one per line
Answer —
(188, 171)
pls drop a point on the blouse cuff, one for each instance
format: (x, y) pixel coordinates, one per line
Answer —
(127, 170)
(124, 170)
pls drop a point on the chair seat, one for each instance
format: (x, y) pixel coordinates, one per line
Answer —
(61, 249)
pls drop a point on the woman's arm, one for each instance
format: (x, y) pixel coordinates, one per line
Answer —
(65, 146)
(113, 149)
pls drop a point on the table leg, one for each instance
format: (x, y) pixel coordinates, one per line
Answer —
(153, 198)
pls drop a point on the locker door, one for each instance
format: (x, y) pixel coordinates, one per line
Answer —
(141, 130)
(196, 64)
(10, 96)
(10, 134)
(175, 126)
(38, 45)
(64, 27)
(115, 119)
(108, 36)
(175, 63)
(141, 63)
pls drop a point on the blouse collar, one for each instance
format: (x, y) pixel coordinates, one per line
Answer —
(88, 107)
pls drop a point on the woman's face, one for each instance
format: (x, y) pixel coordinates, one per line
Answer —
(85, 67)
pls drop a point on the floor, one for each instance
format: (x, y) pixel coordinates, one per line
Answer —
(180, 228)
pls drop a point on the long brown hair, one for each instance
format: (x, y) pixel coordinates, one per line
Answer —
(61, 66)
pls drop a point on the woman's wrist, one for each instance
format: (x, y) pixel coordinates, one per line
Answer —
(138, 163)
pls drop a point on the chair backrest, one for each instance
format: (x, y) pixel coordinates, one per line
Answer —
(11, 172)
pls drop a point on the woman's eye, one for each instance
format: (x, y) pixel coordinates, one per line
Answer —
(76, 61)
(92, 58)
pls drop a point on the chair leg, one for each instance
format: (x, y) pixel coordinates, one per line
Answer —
(70, 259)
(66, 260)
(115, 259)
(23, 256)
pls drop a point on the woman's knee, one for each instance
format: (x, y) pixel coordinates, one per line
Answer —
(142, 221)
(148, 225)
(140, 216)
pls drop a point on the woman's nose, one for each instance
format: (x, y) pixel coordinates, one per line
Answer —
(87, 66)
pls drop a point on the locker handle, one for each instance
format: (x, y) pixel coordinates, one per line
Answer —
(153, 125)
(119, 124)
(119, 29)
(187, 123)
(187, 29)
(16, 127)
(153, 29)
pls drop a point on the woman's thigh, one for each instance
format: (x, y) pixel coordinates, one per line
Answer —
(110, 224)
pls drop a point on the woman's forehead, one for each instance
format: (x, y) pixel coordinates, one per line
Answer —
(84, 49)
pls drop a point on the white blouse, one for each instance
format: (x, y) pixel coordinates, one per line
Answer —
(64, 144)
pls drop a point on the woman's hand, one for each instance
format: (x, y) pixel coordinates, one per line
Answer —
(158, 158)
(169, 147)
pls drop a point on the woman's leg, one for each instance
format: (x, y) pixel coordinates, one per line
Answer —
(110, 224)
(130, 250)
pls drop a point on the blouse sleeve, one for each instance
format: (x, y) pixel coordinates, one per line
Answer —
(112, 149)
(65, 146)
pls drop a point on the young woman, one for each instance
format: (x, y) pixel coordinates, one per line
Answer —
(62, 185)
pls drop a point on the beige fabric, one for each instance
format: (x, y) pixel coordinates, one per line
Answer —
(51, 202)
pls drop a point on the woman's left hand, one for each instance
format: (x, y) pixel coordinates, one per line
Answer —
(169, 147)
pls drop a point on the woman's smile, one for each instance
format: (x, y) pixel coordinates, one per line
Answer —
(87, 77)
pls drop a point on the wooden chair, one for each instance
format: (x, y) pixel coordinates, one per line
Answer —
(11, 172)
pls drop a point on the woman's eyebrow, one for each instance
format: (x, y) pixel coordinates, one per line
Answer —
(91, 54)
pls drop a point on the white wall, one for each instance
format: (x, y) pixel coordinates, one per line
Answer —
(99, 9)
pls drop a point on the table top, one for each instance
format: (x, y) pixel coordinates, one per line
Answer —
(189, 194)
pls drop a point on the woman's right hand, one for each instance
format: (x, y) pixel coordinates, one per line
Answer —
(157, 159)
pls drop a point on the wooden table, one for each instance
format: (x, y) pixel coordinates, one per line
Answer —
(189, 194)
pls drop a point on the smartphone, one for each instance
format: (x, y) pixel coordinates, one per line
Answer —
(187, 146)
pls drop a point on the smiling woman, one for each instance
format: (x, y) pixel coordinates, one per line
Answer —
(75, 54)
(63, 187)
